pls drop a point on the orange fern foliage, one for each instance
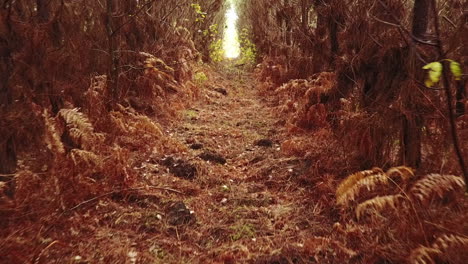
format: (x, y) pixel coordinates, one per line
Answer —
(427, 255)
(424, 190)
(404, 208)
(436, 185)
(350, 188)
(80, 129)
(52, 136)
(351, 181)
(379, 203)
(320, 247)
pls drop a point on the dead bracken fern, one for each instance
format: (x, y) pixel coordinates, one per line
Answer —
(74, 118)
(405, 173)
(320, 246)
(434, 185)
(79, 128)
(51, 135)
(89, 158)
(352, 179)
(424, 190)
(379, 203)
(352, 186)
(426, 255)
(369, 183)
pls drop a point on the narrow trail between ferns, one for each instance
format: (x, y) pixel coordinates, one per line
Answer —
(226, 193)
(250, 209)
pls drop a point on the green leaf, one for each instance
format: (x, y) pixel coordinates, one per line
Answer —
(428, 83)
(435, 71)
(456, 70)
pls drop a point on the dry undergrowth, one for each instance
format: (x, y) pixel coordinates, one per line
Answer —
(83, 154)
(392, 216)
(397, 202)
(280, 203)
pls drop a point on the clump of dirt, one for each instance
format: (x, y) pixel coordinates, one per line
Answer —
(221, 91)
(196, 146)
(179, 214)
(212, 156)
(265, 142)
(180, 168)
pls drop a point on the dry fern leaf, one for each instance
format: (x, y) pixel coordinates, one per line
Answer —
(425, 255)
(75, 119)
(146, 125)
(378, 204)
(52, 136)
(369, 183)
(318, 245)
(117, 121)
(436, 184)
(89, 158)
(405, 173)
(352, 179)
(445, 242)
(80, 129)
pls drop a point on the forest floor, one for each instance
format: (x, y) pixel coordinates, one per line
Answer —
(233, 197)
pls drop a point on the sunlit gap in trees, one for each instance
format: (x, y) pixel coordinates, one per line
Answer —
(231, 39)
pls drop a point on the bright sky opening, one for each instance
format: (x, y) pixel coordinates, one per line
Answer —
(231, 39)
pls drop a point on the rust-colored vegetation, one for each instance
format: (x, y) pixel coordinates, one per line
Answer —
(126, 135)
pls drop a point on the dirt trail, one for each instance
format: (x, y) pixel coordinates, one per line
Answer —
(247, 205)
(251, 209)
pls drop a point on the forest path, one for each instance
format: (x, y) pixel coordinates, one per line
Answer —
(249, 209)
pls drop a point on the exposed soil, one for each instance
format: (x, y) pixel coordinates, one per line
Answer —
(247, 202)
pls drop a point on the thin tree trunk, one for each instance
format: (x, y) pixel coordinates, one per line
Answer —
(305, 15)
(413, 122)
(113, 75)
(411, 140)
(333, 34)
(8, 159)
(421, 16)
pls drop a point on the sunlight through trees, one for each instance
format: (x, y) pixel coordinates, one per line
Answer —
(231, 39)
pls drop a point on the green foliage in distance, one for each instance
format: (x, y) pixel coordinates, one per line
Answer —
(216, 44)
(248, 48)
(216, 50)
(435, 71)
(200, 78)
(200, 15)
(212, 31)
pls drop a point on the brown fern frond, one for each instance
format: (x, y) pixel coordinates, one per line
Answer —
(52, 136)
(75, 119)
(319, 245)
(117, 122)
(379, 203)
(369, 183)
(423, 255)
(352, 179)
(89, 158)
(405, 173)
(145, 125)
(445, 242)
(436, 184)
(80, 129)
